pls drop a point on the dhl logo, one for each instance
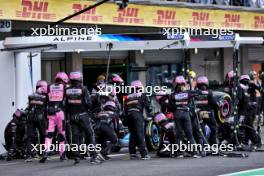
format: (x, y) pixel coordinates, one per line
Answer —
(259, 21)
(79, 7)
(35, 9)
(201, 19)
(128, 15)
(200, 16)
(129, 12)
(232, 18)
(86, 16)
(166, 15)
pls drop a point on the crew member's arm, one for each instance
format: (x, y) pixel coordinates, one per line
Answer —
(171, 106)
(147, 103)
(87, 99)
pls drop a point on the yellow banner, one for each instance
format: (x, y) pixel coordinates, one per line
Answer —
(133, 15)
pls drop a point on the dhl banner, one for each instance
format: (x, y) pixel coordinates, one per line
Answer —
(133, 15)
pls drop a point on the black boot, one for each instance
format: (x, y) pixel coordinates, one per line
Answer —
(63, 157)
(76, 160)
(43, 158)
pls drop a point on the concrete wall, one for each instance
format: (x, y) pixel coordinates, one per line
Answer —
(7, 92)
(74, 62)
(244, 62)
(23, 85)
(221, 64)
(227, 60)
(140, 60)
(15, 85)
(207, 62)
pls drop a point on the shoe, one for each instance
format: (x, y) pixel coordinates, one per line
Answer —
(180, 156)
(43, 158)
(145, 157)
(63, 157)
(133, 156)
(96, 160)
(76, 161)
(9, 158)
(106, 158)
(29, 159)
(100, 157)
(10, 155)
(196, 156)
(203, 154)
(253, 148)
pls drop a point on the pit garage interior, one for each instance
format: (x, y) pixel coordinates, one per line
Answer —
(25, 60)
(159, 66)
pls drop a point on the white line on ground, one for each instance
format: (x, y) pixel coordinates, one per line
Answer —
(7, 164)
(241, 172)
(121, 154)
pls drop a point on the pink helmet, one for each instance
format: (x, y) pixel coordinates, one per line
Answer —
(137, 84)
(18, 113)
(180, 80)
(43, 84)
(202, 80)
(42, 90)
(76, 76)
(230, 74)
(244, 78)
(62, 76)
(115, 78)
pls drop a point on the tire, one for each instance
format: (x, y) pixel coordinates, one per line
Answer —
(153, 138)
(225, 109)
(116, 149)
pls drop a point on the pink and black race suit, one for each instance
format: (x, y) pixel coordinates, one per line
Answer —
(137, 102)
(201, 100)
(56, 117)
(181, 100)
(55, 97)
(37, 101)
(74, 96)
(77, 99)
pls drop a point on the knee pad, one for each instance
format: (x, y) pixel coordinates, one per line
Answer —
(50, 135)
(60, 138)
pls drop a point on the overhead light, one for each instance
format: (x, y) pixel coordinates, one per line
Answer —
(195, 51)
(79, 50)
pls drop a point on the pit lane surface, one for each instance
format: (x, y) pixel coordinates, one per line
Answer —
(120, 165)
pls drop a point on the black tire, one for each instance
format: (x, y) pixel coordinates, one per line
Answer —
(116, 149)
(224, 110)
(152, 136)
